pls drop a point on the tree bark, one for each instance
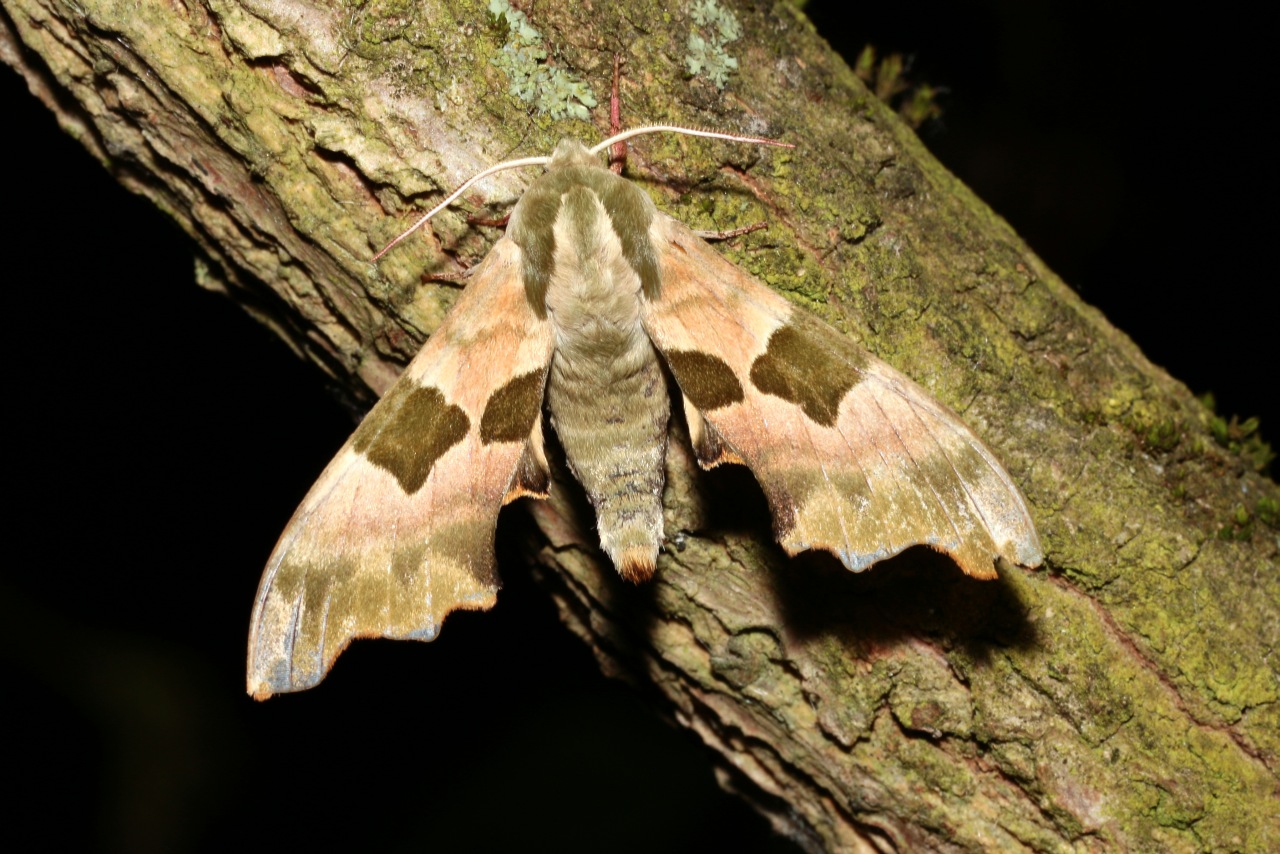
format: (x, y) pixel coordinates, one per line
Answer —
(1123, 696)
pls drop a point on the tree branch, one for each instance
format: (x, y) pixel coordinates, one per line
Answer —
(1123, 697)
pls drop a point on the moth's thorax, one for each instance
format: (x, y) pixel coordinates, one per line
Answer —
(593, 293)
(561, 195)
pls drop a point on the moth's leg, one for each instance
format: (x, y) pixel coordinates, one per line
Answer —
(617, 151)
(492, 223)
(736, 232)
(456, 279)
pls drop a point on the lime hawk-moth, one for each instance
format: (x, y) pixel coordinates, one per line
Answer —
(588, 307)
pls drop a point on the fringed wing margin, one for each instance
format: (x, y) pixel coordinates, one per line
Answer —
(855, 458)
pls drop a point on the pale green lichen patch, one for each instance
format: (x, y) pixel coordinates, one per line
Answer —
(714, 28)
(523, 58)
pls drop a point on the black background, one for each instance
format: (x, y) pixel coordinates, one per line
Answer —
(158, 455)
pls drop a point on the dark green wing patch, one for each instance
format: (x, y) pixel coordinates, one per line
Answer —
(510, 412)
(810, 365)
(706, 380)
(408, 431)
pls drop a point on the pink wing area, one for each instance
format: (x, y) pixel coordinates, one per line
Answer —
(855, 458)
(398, 530)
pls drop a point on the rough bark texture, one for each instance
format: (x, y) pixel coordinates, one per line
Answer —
(1123, 697)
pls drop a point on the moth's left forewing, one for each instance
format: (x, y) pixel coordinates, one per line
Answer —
(398, 530)
(854, 458)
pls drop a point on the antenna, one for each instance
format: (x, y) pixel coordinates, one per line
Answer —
(543, 161)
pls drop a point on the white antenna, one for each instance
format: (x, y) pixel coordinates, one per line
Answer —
(510, 164)
(543, 161)
(710, 134)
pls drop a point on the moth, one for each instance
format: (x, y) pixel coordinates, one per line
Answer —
(588, 309)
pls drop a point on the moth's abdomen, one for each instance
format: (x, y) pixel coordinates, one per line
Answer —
(611, 417)
(606, 392)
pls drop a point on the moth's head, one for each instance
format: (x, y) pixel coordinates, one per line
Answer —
(570, 152)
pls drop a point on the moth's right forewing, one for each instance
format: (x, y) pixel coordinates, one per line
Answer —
(398, 531)
(855, 458)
